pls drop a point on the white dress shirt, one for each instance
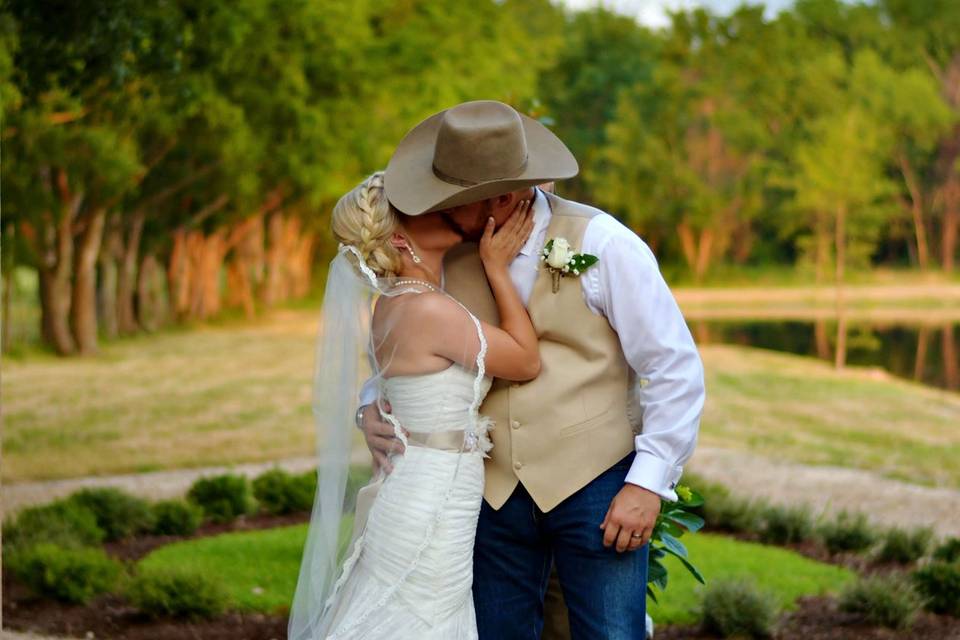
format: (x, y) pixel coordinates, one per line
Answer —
(626, 287)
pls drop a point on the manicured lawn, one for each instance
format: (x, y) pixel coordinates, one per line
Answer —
(783, 572)
(260, 569)
(240, 392)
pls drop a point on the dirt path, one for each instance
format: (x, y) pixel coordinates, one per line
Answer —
(830, 489)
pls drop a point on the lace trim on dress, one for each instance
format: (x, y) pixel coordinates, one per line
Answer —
(476, 438)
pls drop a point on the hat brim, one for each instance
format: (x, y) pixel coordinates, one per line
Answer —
(413, 188)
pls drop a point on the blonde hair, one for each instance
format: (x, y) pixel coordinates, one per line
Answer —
(365, 219)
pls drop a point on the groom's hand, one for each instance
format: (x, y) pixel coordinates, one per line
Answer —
(380, 438)
(633, 512)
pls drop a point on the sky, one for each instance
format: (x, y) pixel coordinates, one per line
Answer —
(653, 13)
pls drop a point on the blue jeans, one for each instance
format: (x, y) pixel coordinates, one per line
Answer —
(605, 591)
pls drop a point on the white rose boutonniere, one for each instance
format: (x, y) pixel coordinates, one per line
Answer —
(562, 261)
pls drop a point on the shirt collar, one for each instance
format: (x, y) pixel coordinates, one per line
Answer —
(541, 218)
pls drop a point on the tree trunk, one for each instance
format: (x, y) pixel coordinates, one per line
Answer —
(696, 251)
(840, 241)
(273, 283)
(127, 277)
(149, 315)
(83, 312)
(56, 262)
(178, 276)
(951, 224)
(916, 212)
(110, 253)
(821, 340)
(206, 254)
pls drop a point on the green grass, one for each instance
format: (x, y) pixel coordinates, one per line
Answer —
(219, 395)
(260, 569)
(784, 573)
(801, 409)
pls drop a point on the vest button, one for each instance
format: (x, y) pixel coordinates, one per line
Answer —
(515, 424)
(518, 465)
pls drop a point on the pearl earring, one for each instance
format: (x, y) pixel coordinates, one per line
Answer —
(416, 258)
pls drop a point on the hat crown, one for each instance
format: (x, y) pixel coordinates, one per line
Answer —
(478, 142)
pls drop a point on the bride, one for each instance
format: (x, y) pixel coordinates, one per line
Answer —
(408, 571)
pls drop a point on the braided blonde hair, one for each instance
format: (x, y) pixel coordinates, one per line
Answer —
(365, 219)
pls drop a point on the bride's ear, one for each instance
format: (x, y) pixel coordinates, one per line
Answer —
(398, 240)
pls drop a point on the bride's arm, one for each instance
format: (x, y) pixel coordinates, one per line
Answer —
(512, 348)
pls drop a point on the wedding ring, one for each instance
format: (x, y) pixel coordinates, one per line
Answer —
(637, 535)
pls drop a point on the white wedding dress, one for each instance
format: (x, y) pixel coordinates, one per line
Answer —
(410, 573)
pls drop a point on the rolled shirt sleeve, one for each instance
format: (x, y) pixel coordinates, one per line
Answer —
(627, 287)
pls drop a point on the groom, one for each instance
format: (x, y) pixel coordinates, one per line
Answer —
(573, 482)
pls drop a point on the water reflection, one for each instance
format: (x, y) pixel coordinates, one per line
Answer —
(923, 352)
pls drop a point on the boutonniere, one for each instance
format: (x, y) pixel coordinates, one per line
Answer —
(562, 261)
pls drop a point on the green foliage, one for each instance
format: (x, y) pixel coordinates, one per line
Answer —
(178, 593)
(222, 497)
(847, 532)
(737, 608)
(890, 601)
(279, 492)
(784, 525)
(71, 575)
(725, 512)
(62, 522)
(939, 583)
(903, 546)
(176, 517)
(948, 550)
(118, 513)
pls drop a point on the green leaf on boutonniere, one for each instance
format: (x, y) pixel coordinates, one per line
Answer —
(583, 261)
(547, 248)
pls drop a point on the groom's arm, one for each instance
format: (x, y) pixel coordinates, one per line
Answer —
(626, 286)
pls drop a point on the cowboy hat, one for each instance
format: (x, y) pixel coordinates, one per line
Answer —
(470, 152)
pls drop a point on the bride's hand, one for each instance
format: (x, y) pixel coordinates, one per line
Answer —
(498, 249)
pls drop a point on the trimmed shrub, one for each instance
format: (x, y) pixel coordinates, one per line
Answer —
(939, 583)
(848, 533)
(736, 608)
(177, 593)
(223, 497)
(903, 546)
(71, 575)
(948, 551)
(118, 513)
(728, 513)
(176, 518)
(783, 525)
(279, 492)
(62, 522)
(889, 601)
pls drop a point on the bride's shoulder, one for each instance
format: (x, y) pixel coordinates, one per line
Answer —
(427, 307)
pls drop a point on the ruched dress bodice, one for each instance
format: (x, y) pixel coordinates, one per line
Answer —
(411, 572)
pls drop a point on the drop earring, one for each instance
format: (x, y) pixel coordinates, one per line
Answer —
(414, 256)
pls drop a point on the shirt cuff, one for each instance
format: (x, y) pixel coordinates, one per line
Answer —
(655, 474)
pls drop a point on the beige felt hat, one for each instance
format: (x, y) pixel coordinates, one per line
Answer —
(470, 152)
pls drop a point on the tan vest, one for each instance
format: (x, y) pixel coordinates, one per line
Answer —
(560, 431)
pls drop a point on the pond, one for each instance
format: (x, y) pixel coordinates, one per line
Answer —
(928, 353)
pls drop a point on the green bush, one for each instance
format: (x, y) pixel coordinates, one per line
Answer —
(890, 601)
(118, 513)
(279, 492)
(736, 608)
(903, 546)
(177, 593)
(783, 525)
(939, 583)
(223, 497)
(176, 517)
(69, 574)
(724, 512)
(948, 550)
(62, 522)
(848, 533)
